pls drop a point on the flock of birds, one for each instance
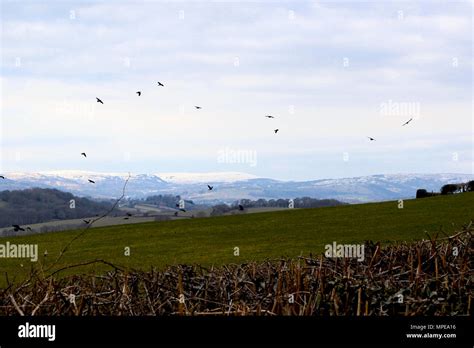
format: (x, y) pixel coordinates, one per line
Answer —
(160, 84)
(210, 188)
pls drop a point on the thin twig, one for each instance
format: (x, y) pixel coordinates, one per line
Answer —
(90, 225)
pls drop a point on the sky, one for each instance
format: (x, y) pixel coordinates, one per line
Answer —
(332, 74)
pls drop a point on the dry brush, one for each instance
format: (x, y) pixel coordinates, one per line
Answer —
(430, 277)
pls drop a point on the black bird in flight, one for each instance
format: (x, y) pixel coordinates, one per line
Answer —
(125, 218)
(407, 122)
(87, 221)
(269, 116)
(139, 93)
(241, 207)
(160, 84)
(91, 181)
(17, 228)
(371, 139)
(210, 187)
(1, 176)
(276, 131)
(99, 101)
(197, 107)
(83, 154)
(28, 228)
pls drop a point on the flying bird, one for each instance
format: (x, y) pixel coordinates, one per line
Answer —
(276, 131)
(99, 101)
(160, 84)
(139, 93)
(125, 218)
(29, 228)
(210, 187)
(269, 116)
(2, 177)
(129, 214)
(17, 228)
(83, 154)
(91, 181)
(407, 122)
(87, 221)
(198, 107)
(371, 139)
(241, 207)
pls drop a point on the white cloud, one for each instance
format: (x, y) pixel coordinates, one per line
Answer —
(65, 64)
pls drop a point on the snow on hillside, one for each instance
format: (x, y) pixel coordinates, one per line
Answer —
(231, 186)
(176, 178)
(79, 174)
(64, 174)
(196, 178)
(396, 178)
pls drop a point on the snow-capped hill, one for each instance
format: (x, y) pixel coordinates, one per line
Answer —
(385, 186)
(196, 178)
(398, 178)
(81, 174)
(232, 186)
(106, 185)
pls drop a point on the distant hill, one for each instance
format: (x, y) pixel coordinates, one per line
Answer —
(23, 207)
(231, 186)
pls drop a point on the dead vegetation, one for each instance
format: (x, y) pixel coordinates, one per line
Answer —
(430, 277)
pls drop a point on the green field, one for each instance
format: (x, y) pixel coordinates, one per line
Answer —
(211, 241)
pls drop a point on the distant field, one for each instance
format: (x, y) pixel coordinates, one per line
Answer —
(276, 234)
(154, 213)
(255, 210)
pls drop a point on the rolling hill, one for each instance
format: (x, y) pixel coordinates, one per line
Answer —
(258, 236)
(30, 206)
(232, 186)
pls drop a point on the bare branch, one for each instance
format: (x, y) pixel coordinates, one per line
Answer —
(79, 235)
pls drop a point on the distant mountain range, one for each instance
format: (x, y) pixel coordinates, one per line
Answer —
(231, 186)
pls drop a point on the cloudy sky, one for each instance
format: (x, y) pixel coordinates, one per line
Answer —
(332, 73)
